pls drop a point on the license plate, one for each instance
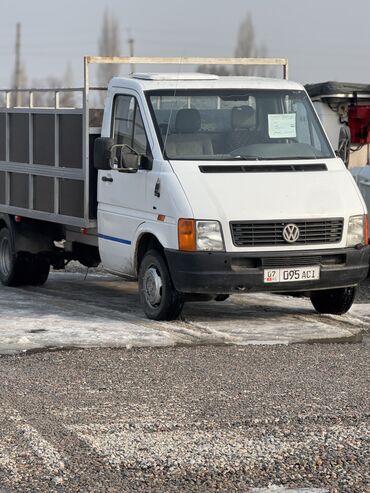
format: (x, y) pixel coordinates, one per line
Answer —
(291, 274)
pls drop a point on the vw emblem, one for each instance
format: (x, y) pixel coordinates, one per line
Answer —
(291, 233)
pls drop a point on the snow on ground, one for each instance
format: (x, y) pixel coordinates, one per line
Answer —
(104, 311)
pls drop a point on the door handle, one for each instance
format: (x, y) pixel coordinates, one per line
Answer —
(362, 182)
(107, 178)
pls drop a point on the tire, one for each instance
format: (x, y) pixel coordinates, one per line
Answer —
(159, 298)
(13, 266)
(38, 272)
(333, 301)
(222, 297)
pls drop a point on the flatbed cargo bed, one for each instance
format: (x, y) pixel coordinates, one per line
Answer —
(46, 171)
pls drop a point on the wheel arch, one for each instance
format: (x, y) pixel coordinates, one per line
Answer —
(156, 235)
(146, 241)
(6, 222)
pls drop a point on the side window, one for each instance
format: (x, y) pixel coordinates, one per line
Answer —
(140, 141)
(128, 127)
(122, 121)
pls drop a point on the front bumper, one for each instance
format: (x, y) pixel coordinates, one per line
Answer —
(225, 272)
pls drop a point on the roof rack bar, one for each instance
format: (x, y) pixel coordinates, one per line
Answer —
(190, 61)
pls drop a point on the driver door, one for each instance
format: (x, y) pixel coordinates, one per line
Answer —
(122, 199)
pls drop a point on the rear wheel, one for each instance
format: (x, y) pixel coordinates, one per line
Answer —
(39, 268)
(13, 266)
(158, 296)
(333, 301)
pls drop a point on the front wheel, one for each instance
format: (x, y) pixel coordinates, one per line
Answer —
(158, 296)
(333, 301)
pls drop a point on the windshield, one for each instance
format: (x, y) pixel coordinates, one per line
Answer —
(237, 125)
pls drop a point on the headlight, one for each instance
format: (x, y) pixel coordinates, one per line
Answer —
(200, 235)
(356, 231)
(209, 236)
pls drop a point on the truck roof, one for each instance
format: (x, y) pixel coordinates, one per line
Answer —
(154, 81)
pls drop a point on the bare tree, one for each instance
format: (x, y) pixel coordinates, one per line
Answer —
(67, 99)
(246, 47)
(47, 99)
(109, 45)
(221, 70)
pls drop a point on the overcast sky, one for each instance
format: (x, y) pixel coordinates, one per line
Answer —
(323, 39)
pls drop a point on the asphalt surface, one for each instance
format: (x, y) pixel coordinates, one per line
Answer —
(191, 419)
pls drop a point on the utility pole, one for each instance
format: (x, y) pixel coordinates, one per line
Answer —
(17, 70)
(131, 43)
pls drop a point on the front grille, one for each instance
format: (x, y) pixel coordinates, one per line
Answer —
(291, 261)
(239, 264)
(270, 233)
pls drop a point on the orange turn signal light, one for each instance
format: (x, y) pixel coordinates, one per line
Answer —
(187, 237)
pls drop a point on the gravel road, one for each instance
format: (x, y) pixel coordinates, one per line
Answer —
(190, 419)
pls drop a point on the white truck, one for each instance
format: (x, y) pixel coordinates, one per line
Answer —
(196, 185)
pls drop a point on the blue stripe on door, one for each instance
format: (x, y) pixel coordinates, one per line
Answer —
(113, 238)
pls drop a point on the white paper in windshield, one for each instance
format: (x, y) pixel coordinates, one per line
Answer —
(282, 126)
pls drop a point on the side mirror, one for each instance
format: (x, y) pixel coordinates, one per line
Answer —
(102, 152)
(125, 159)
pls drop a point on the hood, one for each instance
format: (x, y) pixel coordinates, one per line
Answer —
(249, 194)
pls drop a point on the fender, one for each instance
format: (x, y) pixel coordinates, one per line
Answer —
(28, 235)
(166, 235)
